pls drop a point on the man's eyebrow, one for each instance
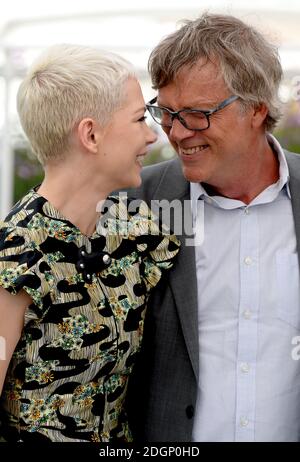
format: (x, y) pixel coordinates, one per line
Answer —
(204, 106)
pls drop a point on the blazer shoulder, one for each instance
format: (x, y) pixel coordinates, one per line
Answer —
(293, 160)
(156, 171)
(158, 179)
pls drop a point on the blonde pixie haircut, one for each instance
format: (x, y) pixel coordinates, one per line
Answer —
(64, 85)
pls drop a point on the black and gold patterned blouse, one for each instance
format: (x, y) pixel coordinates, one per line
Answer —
(68, 376)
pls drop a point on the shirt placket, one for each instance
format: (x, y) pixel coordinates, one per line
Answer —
(247, 326)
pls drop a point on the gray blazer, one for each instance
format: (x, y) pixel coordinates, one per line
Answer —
(163, 389)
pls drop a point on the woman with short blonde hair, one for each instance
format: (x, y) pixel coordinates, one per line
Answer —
(74, 283)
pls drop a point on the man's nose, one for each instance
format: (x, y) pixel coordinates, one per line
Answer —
(179, 132)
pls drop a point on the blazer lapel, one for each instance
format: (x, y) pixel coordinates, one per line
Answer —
(293, 161)
(183, 280)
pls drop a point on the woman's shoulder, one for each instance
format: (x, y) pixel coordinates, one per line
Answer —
(18, 235)
(20, 253)
(133, 220)
(27, 206)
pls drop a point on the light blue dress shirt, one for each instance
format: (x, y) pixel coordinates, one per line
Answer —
(249, 312)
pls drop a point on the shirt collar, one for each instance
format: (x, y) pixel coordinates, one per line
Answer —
(197, 191)
(284, 175)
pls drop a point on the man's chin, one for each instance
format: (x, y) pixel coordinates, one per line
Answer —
(191, 175)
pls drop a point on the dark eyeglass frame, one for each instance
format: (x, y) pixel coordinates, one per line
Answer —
(176, 114)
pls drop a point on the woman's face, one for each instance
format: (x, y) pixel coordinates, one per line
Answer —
(126, 140)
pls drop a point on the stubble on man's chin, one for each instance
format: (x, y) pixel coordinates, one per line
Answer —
(192, 177)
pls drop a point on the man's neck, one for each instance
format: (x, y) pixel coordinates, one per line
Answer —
(252, 181)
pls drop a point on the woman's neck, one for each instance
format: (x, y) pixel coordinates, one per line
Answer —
(75, 196)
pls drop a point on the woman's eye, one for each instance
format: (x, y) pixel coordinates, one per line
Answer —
(142, 119)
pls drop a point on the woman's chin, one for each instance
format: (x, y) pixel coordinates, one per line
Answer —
(134, 183)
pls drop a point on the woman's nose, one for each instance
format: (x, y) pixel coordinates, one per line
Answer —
(151, 136)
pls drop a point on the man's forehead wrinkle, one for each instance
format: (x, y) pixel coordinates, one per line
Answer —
(197, 85)
(209, 70)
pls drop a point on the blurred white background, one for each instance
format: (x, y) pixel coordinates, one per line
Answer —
(131, 28)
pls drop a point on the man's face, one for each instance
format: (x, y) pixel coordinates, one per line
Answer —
(221, 152)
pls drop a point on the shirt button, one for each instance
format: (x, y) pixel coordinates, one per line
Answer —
(247, 211)
(248, 261)
(245, 367)
(247, 314)
(244, 421)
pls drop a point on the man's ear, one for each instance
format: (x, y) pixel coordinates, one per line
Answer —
(89, 134)
(260, 113)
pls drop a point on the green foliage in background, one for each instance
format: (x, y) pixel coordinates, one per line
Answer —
(289, 138)
(28, 172)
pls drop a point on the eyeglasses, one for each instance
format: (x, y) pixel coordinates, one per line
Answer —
(192, 119)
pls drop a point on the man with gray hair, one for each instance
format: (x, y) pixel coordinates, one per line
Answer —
(219, 335)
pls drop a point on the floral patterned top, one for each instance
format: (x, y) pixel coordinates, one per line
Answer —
(68, 375)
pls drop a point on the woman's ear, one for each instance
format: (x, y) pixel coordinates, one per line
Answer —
(89, 134)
